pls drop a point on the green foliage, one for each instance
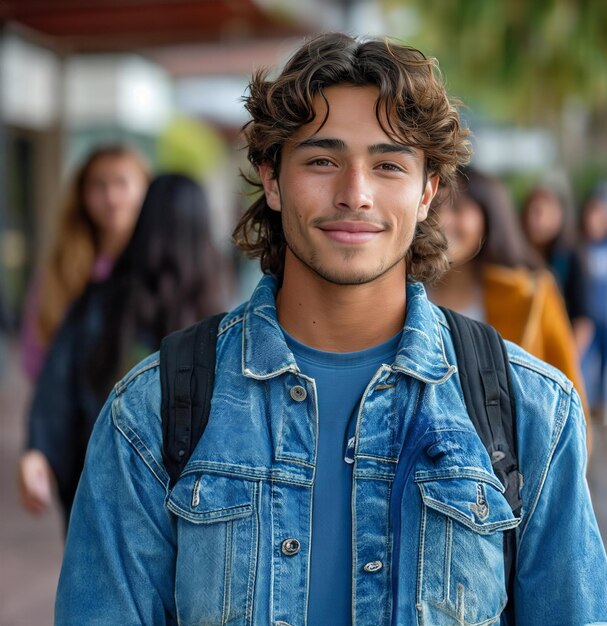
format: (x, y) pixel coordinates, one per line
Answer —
(521, 60)
(190, 147)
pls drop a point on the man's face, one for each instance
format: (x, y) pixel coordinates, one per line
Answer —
(350, 197)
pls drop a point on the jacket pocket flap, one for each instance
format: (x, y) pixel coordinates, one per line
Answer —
(207, 498)
(472, 497)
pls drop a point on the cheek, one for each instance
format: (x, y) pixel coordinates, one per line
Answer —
(299, 199)
(403, 206)
(476, 226)
(95, 206)
(133, 199)
(465, 232)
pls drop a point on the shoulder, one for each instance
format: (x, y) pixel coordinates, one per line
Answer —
(140, 376)
(136, 407)
(135, 404)
(139, 391)
(542, 395)
(510, 279)
(528, 367)
(549, 417)
(524, 366)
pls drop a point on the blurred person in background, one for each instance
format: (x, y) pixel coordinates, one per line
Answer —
(5, 326)
(496, 277)
(549, 228)
(97, 221)
(169, 275)
(594, 231)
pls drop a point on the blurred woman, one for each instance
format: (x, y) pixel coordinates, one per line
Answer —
(550, 230)
(594, 229)
(95, 226)
(496, 277)
(169, 276)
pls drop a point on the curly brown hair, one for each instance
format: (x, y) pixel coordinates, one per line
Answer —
(412, 108)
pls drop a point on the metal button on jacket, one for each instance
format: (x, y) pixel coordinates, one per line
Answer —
(298, 393)
(290, 547)
(373, 566)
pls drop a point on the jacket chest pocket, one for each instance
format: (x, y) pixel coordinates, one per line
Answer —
(217, 535)
(461, 578)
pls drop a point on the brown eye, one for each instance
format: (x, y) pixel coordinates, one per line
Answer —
(391, 167)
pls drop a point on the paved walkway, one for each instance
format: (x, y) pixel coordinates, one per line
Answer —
(30, 548)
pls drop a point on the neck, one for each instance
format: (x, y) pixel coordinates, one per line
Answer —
(459, 288)
(341, 318)
(112, 245)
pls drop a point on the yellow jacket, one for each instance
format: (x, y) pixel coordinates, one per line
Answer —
(527, 308)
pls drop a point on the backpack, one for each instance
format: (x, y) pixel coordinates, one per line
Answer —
(187, 374)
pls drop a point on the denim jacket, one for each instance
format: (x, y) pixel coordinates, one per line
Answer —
(229, 544)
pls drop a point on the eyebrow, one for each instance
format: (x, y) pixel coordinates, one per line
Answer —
(387, 148)
(329, 144)
(340, 146)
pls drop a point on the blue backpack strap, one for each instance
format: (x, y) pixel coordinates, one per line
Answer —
(187, 375)
(484, 373)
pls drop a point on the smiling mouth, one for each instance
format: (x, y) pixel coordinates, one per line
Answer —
(351, 232)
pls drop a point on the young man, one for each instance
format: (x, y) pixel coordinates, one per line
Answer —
(339, 480)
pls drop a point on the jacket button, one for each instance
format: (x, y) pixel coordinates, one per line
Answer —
(373, 566)
(298, 393)
(290, 547)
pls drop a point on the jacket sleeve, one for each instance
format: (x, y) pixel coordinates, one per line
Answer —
(559, 344)
(561, 563)
(53, 415)
(576, 288)
(119, 562)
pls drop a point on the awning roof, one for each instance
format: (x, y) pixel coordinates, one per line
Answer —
(106, 25)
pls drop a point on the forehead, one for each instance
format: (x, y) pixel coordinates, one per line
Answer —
(349, 111)
(111, 165)
(339, 104)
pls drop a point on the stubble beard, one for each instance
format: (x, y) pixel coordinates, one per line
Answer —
(313, 264)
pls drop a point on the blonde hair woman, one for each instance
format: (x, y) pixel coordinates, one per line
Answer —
(97, 222)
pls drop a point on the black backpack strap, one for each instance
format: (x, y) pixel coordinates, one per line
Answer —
(485, 378)
(187, 375)
(484, 373)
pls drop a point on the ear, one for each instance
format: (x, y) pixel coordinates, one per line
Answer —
(430, 189)
(270, 186)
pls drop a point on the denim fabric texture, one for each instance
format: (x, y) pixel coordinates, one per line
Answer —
(230, 543)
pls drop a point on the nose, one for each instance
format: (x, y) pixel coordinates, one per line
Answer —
(354, 190)
(113, 195)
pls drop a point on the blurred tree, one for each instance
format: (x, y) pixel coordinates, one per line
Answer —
(523, 60)
(192, 147)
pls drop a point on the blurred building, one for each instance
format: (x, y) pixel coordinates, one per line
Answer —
(166, 76)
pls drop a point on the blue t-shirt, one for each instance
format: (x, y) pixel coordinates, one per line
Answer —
(341, 379)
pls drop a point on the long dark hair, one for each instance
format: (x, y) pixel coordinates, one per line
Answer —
(169, 276)
(504, 242)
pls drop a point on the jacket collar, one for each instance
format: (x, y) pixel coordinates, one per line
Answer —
(265, 353)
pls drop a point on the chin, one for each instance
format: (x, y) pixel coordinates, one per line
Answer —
(348, 277)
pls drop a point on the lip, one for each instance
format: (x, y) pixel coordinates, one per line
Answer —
(351, 232)
(352, 227)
